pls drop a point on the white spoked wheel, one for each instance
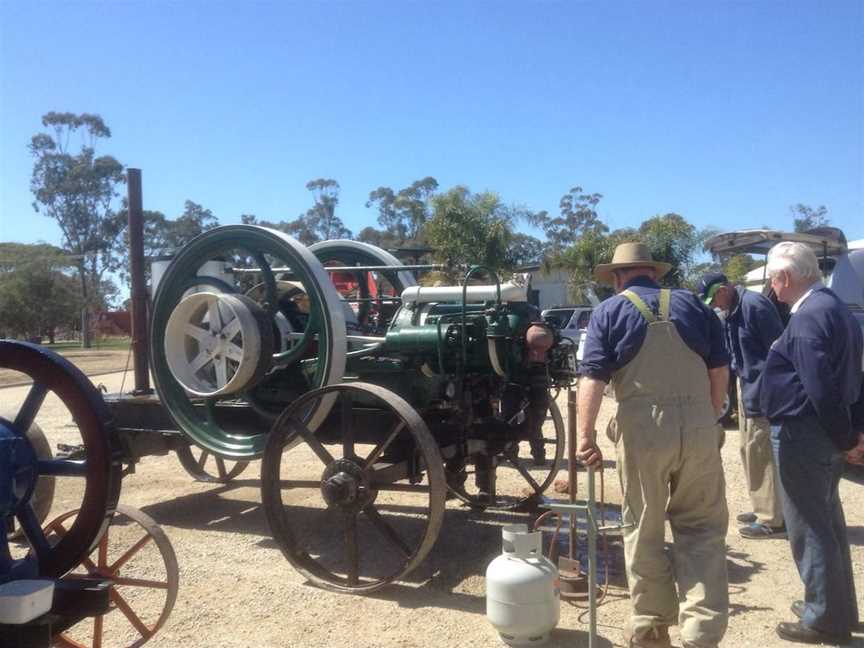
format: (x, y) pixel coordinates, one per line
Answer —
(214, 344)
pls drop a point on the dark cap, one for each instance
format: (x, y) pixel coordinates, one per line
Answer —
(709, 284)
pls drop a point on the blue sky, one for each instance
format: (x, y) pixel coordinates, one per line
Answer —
(725, 112)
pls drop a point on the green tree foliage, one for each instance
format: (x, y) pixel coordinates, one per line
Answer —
(163, 236)
(37, 292)
(321, 219)
(592, 249)
(403, 214)
(806, 218)
(524, 250)
(737, 267)
(76, 188)
(380, 238)
(469, 229)
(669, 237)
(319, 223)
(577, 217)
(673, 240)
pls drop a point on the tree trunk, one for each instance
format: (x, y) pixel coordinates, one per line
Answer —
(86, 342)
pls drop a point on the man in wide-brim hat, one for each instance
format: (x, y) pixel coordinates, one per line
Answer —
(663, 352)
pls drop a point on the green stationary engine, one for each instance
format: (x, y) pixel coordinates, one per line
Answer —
(262, 347)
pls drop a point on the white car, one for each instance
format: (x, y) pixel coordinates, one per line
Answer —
(571, 321)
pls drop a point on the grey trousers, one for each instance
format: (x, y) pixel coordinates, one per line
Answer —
(810, 467)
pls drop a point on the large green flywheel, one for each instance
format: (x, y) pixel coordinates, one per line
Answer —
(217, 346)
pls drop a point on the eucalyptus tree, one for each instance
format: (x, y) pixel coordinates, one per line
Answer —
(76, 188)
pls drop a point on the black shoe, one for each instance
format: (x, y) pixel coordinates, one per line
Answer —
(746, 518)
(799, 607)
(800, 633)
(758, 531)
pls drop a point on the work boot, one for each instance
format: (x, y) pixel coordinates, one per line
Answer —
(656, 637)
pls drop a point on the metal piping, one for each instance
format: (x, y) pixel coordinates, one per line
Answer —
(138, 287)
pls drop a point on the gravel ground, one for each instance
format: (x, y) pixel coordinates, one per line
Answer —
(236, 590)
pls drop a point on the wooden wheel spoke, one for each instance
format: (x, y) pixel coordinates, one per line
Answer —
(31, 406)
(387, 530)
(98, 630)
(220, 467)
(127, 555)
(129, 613)
(141, 582)
(346, 425)
(312, 441)
(379, 449)
(103, 548)
(352, 549)
(90, 566)
(203, 459)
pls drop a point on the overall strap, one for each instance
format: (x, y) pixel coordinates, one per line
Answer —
(665, 298)
(636, 300)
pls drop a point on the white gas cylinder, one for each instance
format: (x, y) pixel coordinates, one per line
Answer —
(522, 598)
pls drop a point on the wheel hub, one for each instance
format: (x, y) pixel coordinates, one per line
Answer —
(345, 485)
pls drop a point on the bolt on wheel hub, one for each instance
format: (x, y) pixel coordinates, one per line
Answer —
(345, 485)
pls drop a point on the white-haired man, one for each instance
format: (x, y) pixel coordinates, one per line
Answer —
(811, 380)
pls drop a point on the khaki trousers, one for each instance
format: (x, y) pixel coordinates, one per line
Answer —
(760, 469)
(669, 465)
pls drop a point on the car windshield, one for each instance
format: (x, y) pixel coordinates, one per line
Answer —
(559, 317)
(584, 318)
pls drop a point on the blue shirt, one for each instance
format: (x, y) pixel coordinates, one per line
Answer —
(814, 368)
(617, 329)
(751, 328)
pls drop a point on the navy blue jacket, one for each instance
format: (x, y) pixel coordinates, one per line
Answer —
(617, 330)
(814, 368)
(751, 328)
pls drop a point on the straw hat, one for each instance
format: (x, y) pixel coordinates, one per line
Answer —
(630, 255)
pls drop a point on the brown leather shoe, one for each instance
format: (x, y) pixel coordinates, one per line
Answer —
(799, 633)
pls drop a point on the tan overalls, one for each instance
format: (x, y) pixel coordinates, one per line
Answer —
(668, 444)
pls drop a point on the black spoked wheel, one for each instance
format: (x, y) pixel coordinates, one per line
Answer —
(515, 478)
(92, 472)
(204, 466)
(43, 494)
(359, 513)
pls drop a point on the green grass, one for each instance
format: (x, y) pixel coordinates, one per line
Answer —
(120, 344)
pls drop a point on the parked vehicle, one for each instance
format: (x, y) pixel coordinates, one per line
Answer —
(570, 320)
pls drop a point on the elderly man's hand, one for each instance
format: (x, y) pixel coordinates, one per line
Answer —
(588, 453)
(856, 454)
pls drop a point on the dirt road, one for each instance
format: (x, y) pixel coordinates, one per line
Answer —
(237, 590)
